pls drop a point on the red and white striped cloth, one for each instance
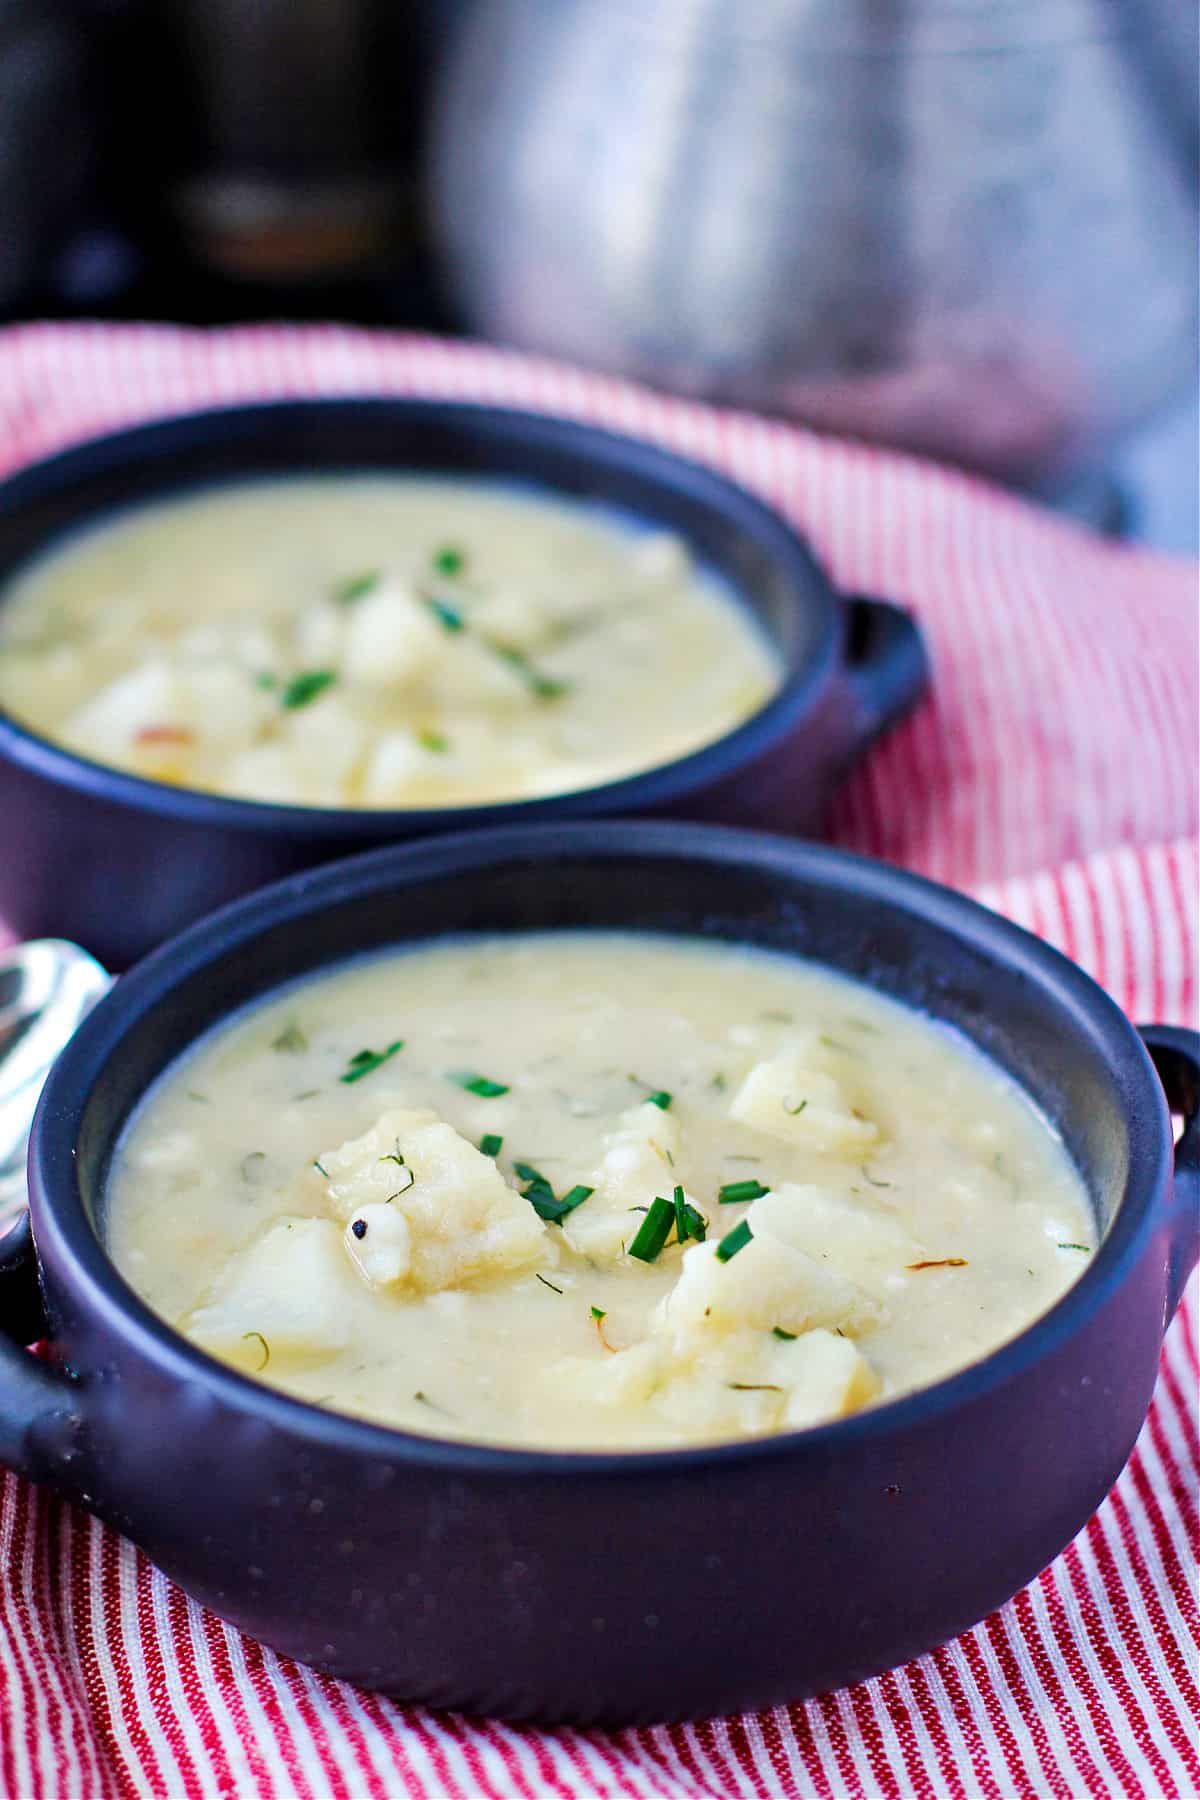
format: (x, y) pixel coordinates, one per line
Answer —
(1054, 772)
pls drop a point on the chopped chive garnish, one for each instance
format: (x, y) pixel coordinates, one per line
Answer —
(265, 680)
(786, 1337)
(319, 1166)
(305, 687)
(661, 1099)
(793, 1112)
(653, 1231)
(548, 1284)
(538, 1192)
(355, 586)
(546, 687)
(433, 740)
(483, 1085)
(688, 1222)
(490, 1144)
(598, 1313)
(736, 1191)
(1084, 1247)
(266, 1348)
(447, 616)
(291, 1040)
(449, 560)
(755, 1387)
(365, 1062)
(733, 1241)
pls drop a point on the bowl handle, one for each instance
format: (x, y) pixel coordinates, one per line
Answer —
(39, 1420)
(887, 665)
(1175, 1054)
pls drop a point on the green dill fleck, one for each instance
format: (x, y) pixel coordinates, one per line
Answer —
(258, 1337)
(867, 1176)
(265, 680)
(447, 616)
(396, 1156)
(319, 1166)
(474, 1083)
(200, 1099)
(785, 1337)
(653, 1231)
(720, 1082)
(733, 1241)
(793, 1112)
(365, 1062)
(449, 560)
(734, 1192)
(780, 1018)
(754, 1387)
(832, 1043)
(305, 687)
(598, 1313)
(307, 1094)
(1086, 1248)
(436, 741)
(661, 1099)
(490, 1144)
(546, 1283)
(355, 587)
(291, 1040)
(433, 1406)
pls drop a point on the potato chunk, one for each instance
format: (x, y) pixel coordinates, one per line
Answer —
(793, 1100)
(864, 1245)
(392, 638)
(463, 1219)
(291, 1290)
(824, 1377)
(641, 1159)
(768, 1283)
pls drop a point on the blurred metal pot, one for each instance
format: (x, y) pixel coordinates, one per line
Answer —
(961, 226)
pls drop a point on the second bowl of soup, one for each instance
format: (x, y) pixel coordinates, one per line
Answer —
(605, 1271)
(238, 643)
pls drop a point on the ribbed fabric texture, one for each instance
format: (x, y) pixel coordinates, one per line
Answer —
(1053, 773)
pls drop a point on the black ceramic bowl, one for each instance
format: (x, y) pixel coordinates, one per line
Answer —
(605, 1587)
(118, 863)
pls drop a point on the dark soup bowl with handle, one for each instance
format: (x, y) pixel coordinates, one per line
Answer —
(116, 862)
(604, 1586)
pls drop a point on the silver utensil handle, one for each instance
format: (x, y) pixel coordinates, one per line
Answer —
(46, 988)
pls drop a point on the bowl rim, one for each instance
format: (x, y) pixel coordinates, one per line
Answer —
(139, 444)
(62, 1228)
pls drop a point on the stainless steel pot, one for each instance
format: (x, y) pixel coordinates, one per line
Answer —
(962, 226)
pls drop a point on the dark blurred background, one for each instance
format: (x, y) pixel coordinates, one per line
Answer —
(965, 227)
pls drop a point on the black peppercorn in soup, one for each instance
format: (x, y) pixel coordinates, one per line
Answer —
(377, 641)
(588, 1189)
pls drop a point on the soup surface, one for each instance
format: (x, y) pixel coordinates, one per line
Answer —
(377, 641)
(590, 1189)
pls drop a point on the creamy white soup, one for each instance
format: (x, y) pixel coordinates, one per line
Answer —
(590, 1189)
(377, 641)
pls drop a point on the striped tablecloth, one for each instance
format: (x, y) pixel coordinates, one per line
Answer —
(1053, 772)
